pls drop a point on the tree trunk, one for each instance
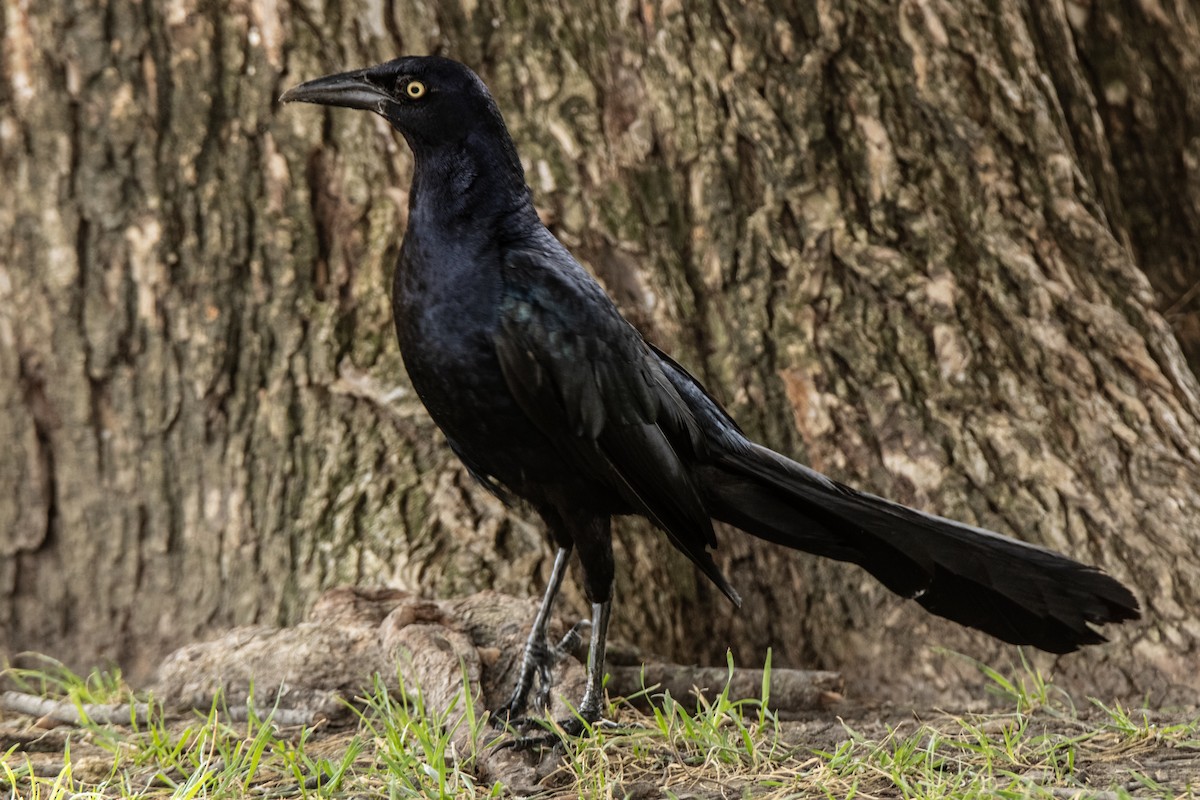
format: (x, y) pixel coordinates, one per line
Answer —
(902, 243)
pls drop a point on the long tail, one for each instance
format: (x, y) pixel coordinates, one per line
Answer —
(1014, 591)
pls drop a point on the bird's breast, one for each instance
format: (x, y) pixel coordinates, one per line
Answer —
(446, 315)
(445, 307)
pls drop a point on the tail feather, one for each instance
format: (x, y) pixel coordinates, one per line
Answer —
(1017, 592)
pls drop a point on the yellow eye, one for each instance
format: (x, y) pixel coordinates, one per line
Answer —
(415, 90)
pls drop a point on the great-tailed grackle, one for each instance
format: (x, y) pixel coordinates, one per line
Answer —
(545, 392)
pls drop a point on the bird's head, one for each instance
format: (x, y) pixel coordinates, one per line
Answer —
(432, 101)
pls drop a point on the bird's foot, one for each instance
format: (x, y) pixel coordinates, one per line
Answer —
(554, 733)
(537, 677)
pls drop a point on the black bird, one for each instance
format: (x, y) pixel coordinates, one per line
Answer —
(545, 392)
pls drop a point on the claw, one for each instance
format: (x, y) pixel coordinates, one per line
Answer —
(572, 640)
(521, 744)
(556, 733)
(537, 674)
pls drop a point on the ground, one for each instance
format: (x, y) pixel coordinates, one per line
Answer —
(1035, 744)
(380, 693)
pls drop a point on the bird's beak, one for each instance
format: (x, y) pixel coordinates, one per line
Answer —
(347, 89)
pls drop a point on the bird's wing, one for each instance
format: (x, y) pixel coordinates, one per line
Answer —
(590, 382)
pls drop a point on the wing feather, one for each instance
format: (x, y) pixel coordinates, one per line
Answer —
(588, 379)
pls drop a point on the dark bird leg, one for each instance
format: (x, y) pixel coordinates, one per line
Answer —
(592, 535)
(540, 656)
(593, 695)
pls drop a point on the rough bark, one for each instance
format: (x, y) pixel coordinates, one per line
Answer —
(1136, 71)
(903, 243)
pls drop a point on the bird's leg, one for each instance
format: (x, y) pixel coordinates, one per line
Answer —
(592, 536)
(593, 694)
(540, 656)
(594, 540)
(590, 707)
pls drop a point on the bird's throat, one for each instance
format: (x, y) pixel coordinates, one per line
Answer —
(469, 183)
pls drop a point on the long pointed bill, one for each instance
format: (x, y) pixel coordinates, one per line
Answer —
(347, 89)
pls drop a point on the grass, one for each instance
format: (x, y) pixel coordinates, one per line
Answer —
(1038, 744)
